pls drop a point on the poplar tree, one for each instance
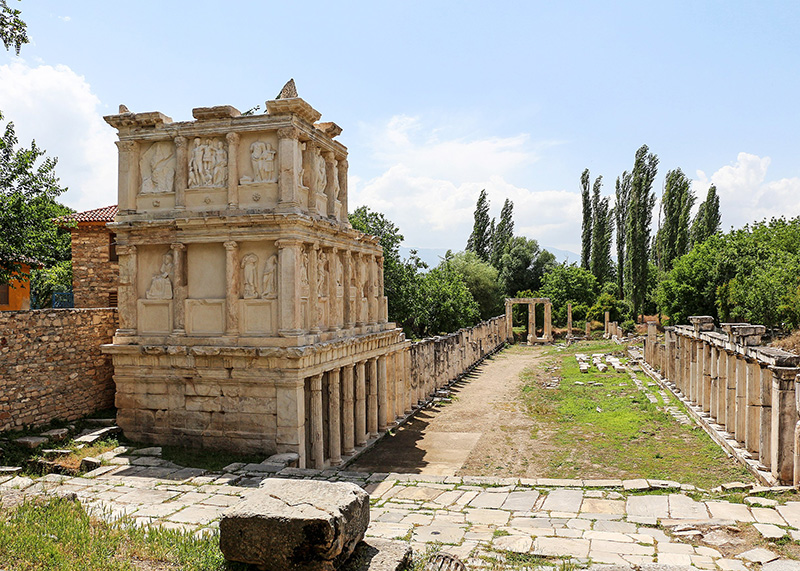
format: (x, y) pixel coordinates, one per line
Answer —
(480, 239)
(622, 196)
(672, 238)
(503, 233)
(601, 234)
(586, 227)
(707, 221)
(640, 209)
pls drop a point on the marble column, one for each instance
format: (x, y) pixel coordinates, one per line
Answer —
(334, 302)
(372, 302)
(341, 169)
(289, 255)
(233, 169)
(705, 354)
(348, 415)
(400, 385)
(509, 325)
(411, 390)
(181, 172)
(713, 353)
(569, 321)
(752, 421)
(288, 169)
(291, 414)
(317, 444)
(741, 397)
(722, 385)
(128, 176)
(127, 295)
(360, 270)
(334, 417)
(180, 287)
(347, 300)
(548, 321)
(313, 309)
(730, 410)
(383, 395)
(361, 404)
(784, 420)
(765, 417)
(383, 301)
(331, 182)
(372, 400)
(232, 293)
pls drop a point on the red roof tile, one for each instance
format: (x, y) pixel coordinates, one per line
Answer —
(105, 214)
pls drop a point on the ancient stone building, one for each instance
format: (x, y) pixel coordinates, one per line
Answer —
(252, 316)
(95, 270)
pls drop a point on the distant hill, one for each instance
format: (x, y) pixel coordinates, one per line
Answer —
(432, 256)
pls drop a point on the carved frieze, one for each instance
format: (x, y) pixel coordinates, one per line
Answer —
(208, 164)
(157, 168)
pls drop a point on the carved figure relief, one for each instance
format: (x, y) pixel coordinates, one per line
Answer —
(269, 283)
(161, 284)
(322, 275)
(262, 159)
(157, 168)
(249, 267)
(304, 270)
(339, 271)
(322, 178)
(208, 164)
(301, 182)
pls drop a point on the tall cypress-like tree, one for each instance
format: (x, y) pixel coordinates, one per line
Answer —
(640, 209)
(503, 233)
(622, 197)
(601, 235)
(480, 239)
(707, 221)
(672, 239)
(586, 227)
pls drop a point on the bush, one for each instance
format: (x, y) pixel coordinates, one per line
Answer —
(628, 326)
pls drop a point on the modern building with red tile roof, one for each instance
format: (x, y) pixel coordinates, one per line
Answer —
(95, 270)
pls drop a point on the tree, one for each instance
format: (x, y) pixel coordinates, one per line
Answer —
(586, 226)
(481, 281)
(565, 284)
(13, 30)
(28, 188)
(524, 265)
(503, 233)
(443, 302)
(707, 221)
(672, 239)
(480, 240)
(600, 262)
(622, 197)
(640, 208)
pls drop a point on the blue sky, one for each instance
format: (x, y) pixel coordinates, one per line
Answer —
(439, 100)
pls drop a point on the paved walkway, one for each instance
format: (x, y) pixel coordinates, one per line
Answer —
(605, 521)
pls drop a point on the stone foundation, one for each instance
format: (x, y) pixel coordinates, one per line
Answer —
(51, 366)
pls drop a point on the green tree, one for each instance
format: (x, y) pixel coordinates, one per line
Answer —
(47, 281)
(672, 238)
(707, 221)
(586, 226)
(600, 263)
(480, 239)
(13, 30)
(622, 196)
(481, 281)
(503, 233)
(640, 207)
(28, 189)
(443, 302)
(565, 284)
(524, 265)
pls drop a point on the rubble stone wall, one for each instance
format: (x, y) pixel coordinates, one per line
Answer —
(440, 360)
(94, 273)
(747, 389)
(51, 366)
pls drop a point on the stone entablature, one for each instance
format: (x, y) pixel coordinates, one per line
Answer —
(750, 390)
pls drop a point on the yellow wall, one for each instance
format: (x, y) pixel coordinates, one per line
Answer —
(19, 293)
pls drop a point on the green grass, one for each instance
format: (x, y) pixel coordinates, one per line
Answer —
(58, 535)
(614, 431)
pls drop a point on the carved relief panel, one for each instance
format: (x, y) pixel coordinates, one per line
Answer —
(258, 170)
(258, 304)
(205, 306)
(155, 281)
(157, 165)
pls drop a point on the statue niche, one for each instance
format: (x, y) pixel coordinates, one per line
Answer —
(269, 283)
(249, 267)
(161, 284)
(262, 160)
(157, 168)
(208, 164)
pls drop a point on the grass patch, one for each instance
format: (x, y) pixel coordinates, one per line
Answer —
(602, 426)
(59, 535)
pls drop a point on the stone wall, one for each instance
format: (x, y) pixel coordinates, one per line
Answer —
(51, 366)
(744, 390)
(95, 271)
(440, 360)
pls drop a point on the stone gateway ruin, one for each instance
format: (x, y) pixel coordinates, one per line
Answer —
(251, 315)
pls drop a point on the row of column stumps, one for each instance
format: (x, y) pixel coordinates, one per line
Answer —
(345, 316)
(531, 302)
(749, 390)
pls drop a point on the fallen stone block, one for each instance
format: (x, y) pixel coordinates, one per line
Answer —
(57, 434)
(300, 525)
(95, 435)
(89, 463)
(375, 554)
(31, 441)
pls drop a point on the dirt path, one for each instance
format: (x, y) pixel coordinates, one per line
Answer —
(484, 431)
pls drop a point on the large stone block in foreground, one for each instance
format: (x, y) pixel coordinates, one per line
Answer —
(296, 525)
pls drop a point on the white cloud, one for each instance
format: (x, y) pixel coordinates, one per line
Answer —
(56, 107)
(745, 193)
(431, 183)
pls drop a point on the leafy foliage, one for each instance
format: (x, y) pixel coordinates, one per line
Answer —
(586, 225)
(672, 239)
(524, 265)
(480, 240)
(622, 195)
(565, 284)
(443, 302)
(28, 188)
(502, 235)
(13, 30)
(601, 264)
(481, 280)
(707, 221)
(47, 281)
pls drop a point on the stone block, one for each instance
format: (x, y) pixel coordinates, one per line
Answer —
(31, 441)
(374, 554)
(296, 524)
(88, 464)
